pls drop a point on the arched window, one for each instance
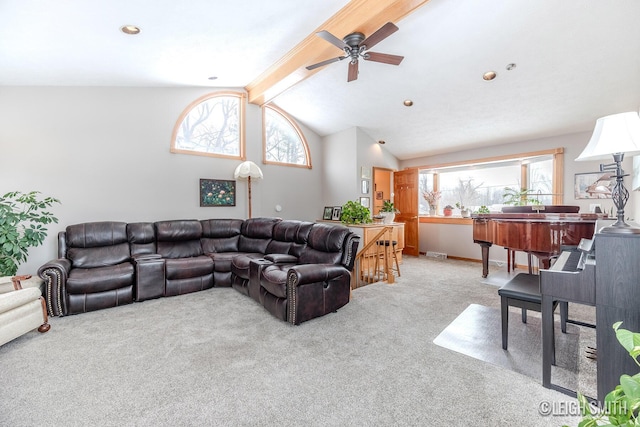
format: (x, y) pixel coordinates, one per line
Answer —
(283, 141)
(212, 125)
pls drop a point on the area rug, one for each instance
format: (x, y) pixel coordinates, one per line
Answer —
(477, 333)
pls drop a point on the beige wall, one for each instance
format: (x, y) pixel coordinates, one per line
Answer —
(104, 152)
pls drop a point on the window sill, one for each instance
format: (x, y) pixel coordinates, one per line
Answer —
(445, 220)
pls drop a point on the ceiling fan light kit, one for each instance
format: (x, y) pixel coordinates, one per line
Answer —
(356, 46)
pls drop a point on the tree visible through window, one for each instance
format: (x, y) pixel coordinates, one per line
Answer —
(283, 140)
(212, 126)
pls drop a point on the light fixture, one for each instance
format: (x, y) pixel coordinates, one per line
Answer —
(489, 75)
(382, 142)
(247, 170)
(615, 135)
(511, 66)
(130, 29)
(408, 103)
(212, 78)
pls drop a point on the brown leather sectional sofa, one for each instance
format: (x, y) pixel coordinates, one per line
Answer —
(297, 270)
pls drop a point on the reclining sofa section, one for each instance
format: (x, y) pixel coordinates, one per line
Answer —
(297, 270)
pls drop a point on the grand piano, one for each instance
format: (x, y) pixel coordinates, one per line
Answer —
(540, 231)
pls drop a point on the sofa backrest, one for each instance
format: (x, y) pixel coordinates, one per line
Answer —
(178, 238)
(289, 237)
(95, 244)
(325, 244)
(142, 238)
(220, 235)
(256, 233)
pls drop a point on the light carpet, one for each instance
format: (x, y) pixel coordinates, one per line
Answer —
(217, 358)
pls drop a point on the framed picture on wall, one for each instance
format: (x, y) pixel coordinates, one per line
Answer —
(594, 185)
(365, 186)
(328, 212)
(217, 192)
(365, 201)
(337, 211)
(379, 195)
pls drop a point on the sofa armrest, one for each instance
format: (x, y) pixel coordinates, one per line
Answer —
(282, 258)
(314, 290)
(311, 273)
(150, 277)
(55, 273)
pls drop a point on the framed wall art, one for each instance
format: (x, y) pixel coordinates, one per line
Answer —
(594, 185)
(217, 192)
(337, 211)
(365, 201)
(328, 212)
(365, 186)
(379, 195)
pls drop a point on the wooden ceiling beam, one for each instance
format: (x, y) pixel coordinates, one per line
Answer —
(365, 16)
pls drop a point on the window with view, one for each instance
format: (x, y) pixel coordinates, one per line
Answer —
(283, 141)
(524, 180)
(212, 126)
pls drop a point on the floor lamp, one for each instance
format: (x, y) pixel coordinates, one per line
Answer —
(247, 170)
(615, 135)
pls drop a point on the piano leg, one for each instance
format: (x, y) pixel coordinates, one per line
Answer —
(548, 341)
(484, 247)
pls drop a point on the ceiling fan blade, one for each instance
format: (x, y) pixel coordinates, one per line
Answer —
(380, 34)
(323, 63)
(326, 35)
(353, 71)
(385, 58)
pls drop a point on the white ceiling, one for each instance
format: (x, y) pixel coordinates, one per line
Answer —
(576, 60)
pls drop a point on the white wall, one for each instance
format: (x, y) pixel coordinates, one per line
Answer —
(457, 240)
(104, 152)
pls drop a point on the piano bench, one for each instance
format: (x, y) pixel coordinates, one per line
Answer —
(523, 291)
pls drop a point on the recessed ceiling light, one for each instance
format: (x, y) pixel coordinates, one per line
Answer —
(408, 103)
(130, 29)
(489, 75)
(382, 142)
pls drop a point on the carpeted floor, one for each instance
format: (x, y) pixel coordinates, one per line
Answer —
(218, 358)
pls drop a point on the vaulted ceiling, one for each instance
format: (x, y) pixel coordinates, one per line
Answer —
(575, 61)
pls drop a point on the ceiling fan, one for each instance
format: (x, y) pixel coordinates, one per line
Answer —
(356, 46)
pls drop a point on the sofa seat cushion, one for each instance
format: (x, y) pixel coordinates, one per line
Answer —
(100, 279)
(240, 264)
(274, 279)
(223, 260)
(186, 268)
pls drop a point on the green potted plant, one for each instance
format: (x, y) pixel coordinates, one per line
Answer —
(448, 210)
(464, 212)
(514, 197)
(622, 404)
(483, 210)
(354, 213)
(22, 220)
(388, 211)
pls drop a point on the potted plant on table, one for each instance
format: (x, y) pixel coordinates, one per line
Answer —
(22, 220)
(388, 211)
(354, 213)
(432, 198)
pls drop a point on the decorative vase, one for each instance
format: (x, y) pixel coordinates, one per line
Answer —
(465, 213)
(432, 212)
(388, 217)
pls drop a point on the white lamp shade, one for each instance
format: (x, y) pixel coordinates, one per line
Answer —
(248, 169)
(617, 133)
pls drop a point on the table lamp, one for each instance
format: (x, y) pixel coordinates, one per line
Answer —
(247, 170)
(615, 135)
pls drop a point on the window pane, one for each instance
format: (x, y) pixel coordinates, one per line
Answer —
(541, 181)
(425, 183)
(212, 126)
(474, 188)
(283, 142)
